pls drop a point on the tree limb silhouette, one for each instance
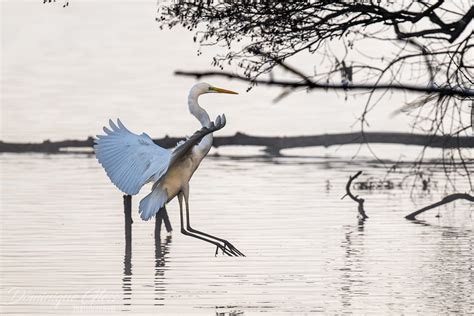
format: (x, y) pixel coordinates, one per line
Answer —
(356, 198)
(447, 199)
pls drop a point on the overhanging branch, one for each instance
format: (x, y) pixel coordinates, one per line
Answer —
(314, 85)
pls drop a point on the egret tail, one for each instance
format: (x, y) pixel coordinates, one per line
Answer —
(152, 203)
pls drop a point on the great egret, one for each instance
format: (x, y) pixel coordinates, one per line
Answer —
(132, 160)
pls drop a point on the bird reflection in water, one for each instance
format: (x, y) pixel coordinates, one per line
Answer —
(161, 251)
(127, 276)
(127, 259)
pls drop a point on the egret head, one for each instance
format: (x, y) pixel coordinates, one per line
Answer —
(196, 91)
(202, 88)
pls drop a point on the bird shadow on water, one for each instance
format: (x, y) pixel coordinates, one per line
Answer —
(161, 251)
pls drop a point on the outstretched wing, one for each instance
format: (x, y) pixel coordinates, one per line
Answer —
(183, 148)
(130, 160)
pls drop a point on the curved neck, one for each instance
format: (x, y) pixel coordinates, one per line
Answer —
(206, 143)
(198, 111)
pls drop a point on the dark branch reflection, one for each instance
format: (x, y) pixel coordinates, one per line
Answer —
(353, 245)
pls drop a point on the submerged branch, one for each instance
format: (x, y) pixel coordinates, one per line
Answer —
(274, 144)
(445, 200)
(356, 198)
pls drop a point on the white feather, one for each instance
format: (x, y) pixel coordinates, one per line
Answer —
(130, 160)
(152, 203)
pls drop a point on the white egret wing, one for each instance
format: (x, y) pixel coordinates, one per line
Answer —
(130, 160)
(183, 148)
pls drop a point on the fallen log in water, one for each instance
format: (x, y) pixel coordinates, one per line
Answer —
(273, 144)
(445, 200)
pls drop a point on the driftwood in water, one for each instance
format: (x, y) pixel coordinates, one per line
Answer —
(273, 144)
(356, 198)
(445, 200)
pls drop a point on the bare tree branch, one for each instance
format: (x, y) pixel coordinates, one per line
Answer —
(423, 47)
(445, 200)
(356, 198)
(314, 85)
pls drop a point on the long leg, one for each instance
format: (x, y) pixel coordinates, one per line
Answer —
(158, 221)
(166, 220)
(185, 232)
(162, 217)
(226, 243)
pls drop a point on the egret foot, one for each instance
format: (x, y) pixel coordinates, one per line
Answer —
(218, 245)
(227, 245)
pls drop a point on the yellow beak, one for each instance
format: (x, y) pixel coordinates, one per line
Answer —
(220, 90)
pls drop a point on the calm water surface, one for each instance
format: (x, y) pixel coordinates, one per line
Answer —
(65, 72)
(63, 248)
